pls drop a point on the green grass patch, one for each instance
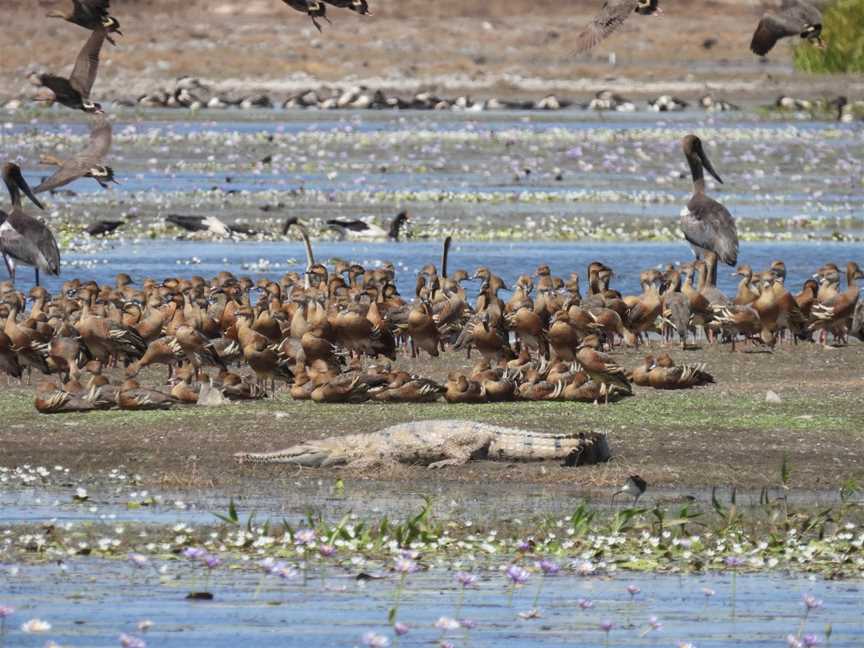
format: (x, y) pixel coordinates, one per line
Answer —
(844, 36)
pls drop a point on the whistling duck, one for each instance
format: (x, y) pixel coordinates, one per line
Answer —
(529, 329)
(642, 315)
(358, 229)
(459, 389)
(676, 307)
(488, 337)
(105, 337)
(707, 225)
(86, 163)
(132, 396)
(89, 14)
(563, 337)
(639, 375)
(422, 330)
(165, 350)
(184, 391)
(23, 239)
(74, 92)
(746, 294)
(25, 342)
(601, 368)
(611, 16)
(807, 297)
(51, 399)
(341, 390)
(795, 18)
(581, 390)
(235, 388)
(198, 349)
(835, 313)
(665, 375)
(414, 390)
(8, 358)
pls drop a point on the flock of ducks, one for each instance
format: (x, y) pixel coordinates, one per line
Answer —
(315, 331)
(319, 331)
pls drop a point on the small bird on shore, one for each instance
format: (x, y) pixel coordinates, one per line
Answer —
(635, 486)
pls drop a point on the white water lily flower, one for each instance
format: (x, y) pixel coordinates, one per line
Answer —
(35, 626)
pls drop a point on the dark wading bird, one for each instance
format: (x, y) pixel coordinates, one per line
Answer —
(23, 239)
(86, 163)
(610, 18)
(707, 225)
(795, 18)
(313, 8)
(362, 229)
(74, 92)
(89, 14)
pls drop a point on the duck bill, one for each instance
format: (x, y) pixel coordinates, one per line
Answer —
(22, 184)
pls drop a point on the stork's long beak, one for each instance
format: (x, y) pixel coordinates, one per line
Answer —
(708, 167)
(22, 184)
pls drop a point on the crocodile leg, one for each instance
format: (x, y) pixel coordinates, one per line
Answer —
(461, 447)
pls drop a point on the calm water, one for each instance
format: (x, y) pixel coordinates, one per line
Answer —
(89, 603)
(509, 259)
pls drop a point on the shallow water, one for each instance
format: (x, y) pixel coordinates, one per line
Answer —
(506, 258)
(90, 602)
(482, 173)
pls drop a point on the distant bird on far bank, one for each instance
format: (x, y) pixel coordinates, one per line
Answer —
(795, 18)
(611, 17)
(85, 164)
(209, 224)
(102, 227)
(358, 229)
(89, 14)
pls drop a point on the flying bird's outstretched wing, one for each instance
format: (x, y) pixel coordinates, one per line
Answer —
(613, 14)
(77, 167)
(771, 29)
(87, 64)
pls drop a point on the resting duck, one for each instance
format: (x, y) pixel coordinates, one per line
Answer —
(460, 389)
(601, 368)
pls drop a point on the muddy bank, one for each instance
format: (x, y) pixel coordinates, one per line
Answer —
(512, 49)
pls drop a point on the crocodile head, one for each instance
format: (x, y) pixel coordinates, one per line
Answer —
(309, 455)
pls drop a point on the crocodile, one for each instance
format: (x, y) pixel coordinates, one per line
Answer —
(437, 444)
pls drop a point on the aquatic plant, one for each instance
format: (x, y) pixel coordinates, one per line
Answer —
(131, 641)
(517, 576)
(35, 626)
(606, 626)
(403, 566)
(5, 611)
